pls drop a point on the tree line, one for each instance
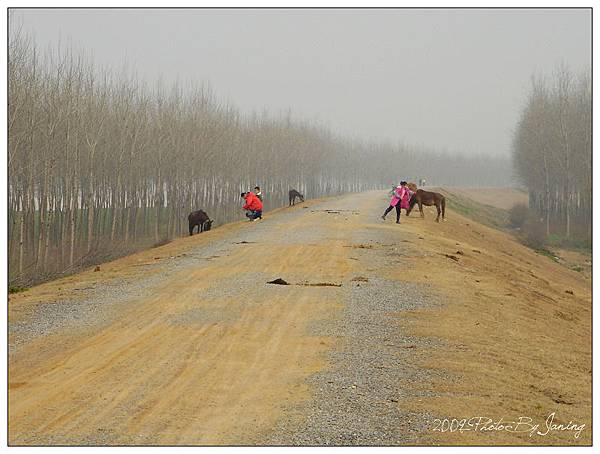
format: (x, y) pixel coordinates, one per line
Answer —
(101, 164)
(552, 153)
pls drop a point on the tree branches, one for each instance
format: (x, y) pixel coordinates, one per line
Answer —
(552, 152)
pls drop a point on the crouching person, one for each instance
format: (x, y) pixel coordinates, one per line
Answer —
(253, 206)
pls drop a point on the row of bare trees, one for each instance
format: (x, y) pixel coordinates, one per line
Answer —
(101, 164)
(552, 152)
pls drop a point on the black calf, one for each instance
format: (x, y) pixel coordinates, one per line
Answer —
(199, 218)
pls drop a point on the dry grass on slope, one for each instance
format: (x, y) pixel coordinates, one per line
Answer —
(516, 333)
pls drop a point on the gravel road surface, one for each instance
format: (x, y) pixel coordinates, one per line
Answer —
(187, 344)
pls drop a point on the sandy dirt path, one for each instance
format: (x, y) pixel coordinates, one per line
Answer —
(186, 344)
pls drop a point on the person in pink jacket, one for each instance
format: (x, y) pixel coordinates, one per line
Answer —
(405, 202)
(399, 195)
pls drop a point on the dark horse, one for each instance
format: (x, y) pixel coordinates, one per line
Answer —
(199, 218)
(293, 194)
(428, 199)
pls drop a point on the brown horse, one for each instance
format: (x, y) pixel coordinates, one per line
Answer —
(428, 199)
(412, 186)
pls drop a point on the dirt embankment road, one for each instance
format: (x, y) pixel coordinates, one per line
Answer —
(379, 334)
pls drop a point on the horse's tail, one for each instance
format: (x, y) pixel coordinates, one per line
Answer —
(443, 207)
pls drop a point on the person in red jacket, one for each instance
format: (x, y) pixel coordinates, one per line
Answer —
(253, 206)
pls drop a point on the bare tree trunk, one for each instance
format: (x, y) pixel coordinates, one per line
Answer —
(158, 206)
(21, 238)
(126, 220)
(90, 226)
(547, 195)
(42, 223)
(72, 207)
(49, 217)
(115, 204)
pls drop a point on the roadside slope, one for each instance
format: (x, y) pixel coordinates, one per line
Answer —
(516, 328)
(503, 198)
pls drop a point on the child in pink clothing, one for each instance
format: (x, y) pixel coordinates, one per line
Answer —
(405, 202)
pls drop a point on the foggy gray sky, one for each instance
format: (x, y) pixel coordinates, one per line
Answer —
(449, 79)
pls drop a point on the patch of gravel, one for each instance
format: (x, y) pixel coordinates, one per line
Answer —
(99, 303)
(358, 399)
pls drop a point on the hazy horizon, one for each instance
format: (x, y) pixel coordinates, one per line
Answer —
(451, 80)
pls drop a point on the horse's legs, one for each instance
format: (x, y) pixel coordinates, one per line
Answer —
(444, 209)
(437, 206)
(421, 209)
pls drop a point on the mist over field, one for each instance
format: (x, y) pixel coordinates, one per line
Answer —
(450, 80)
(115, 137)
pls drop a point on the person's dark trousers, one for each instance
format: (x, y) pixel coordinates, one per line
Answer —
(398, 211)
(254, 214)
